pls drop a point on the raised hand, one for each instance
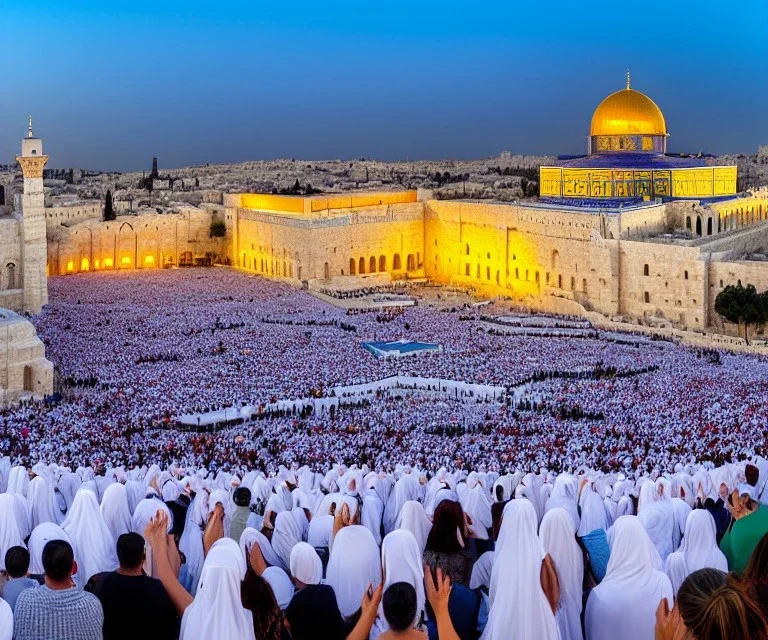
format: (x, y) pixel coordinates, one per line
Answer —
(438, 589)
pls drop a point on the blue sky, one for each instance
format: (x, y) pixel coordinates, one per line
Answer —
(110, 84)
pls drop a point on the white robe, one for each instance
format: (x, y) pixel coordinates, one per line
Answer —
(559, 540)
(353, 565)
(624, 604)
(92, 540)
(698, 550)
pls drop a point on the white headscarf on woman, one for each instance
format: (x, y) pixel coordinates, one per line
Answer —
(306, 565)
(114, 509)
(698, 550)
(401, 562)
(281, 585)
(250, 536)
(40, 500)
(353, 565)
(412, 518)
(10, 534)
(516, 580)
(628, 596)
(565, 496)
(42, 535)
(558, 538)
(217, 610)
(91, 539)
(477, 506)
(593, 514)
(285, 536)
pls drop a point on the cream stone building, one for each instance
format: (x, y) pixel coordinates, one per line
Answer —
(627, 231)
(24, 370)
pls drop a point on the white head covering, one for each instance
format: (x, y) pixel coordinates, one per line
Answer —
(285, 536)
(281, 585)
(249, 537)
(558, 538)
(10, 535)
(319, 532)
(659, 521)
(353, 565)
(698, 550)
(6, 621)
(593, 514)
(402, 562)
(565, 496)
(42, 535)
(114, 509)
(516, 580)
(191, 545)
(217, 610)
(630, 593)
(412, 518)
(478, 506)
(306, 565)
(145, 511)
(40, 500)
(91, 539)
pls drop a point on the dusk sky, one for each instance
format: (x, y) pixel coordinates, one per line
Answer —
(111, 84)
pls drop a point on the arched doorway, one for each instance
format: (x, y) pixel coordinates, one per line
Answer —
(28, 381)
(698, 225)
(396, 262)
(555, 257)
(382, 263)
(352, 267)
(688, 222)
(10, 275)
(411, 265)
(709, 226)
(327, 271)
(372, 264)
(361, 269)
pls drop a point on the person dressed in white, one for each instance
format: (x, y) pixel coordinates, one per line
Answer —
(519, 606)
(658, 517)
(91, 539)
(306, 566)
(42, 535)
(217, 610)
(353, 565)
(6, 621)
(624, 604)
(114, 509)
(413, 518)
(401, 562)
(698, 549)
(558, 537)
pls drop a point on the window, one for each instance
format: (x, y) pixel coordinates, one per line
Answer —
(517, 273)
(646, 270)
(466, 270)
(10, 270)
(685, 274)
(487, 273)
(573, 283)
(647, 297)
(467, 249)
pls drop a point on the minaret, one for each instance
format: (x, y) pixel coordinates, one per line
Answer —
(34, 248)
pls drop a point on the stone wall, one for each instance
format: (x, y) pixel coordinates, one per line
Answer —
(24, 370)
(67, 213)
(147, 241)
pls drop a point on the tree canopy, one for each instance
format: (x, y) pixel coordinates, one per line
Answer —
(742, 305)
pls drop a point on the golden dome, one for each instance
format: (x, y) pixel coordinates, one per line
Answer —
(628, 112)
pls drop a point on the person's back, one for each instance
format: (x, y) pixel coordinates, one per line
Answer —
(399, 606)
(57, 609)
(17, 566)
(135, 605)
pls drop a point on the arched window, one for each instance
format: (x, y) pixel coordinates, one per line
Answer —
(10, 272)
(709, 226)
(698, 225)
(688, 222)
(326, 271)
(467, 249)
(584, 285)
(555, 256)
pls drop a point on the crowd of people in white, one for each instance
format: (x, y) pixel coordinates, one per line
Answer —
(612, 506)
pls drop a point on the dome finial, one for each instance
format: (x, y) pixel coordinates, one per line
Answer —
(628, 87)
(30, 134)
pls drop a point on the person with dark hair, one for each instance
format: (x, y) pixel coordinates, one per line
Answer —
(135, 605)
(448, 543)
(711, 605)
(17, 566)
(750, 524)
(242, 499)
(58, 609)
(399, 605)
(756, 574)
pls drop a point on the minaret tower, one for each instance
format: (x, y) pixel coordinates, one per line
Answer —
(34, 248)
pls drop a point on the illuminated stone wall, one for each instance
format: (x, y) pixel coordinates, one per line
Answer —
(145, 242)
(69, 213)
(11, 293)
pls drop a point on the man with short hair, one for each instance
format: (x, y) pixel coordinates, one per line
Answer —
(135, 605)
(17, 566)
(57, 609)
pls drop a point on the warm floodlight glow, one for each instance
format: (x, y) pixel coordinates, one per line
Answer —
(85, 265)
(149, 260)
(71, 266)
(125, 260)
(108, 262)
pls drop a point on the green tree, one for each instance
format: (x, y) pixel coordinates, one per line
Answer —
(742, 305)
(218, 229)
(109, 209)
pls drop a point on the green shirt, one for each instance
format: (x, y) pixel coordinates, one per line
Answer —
(740, 540)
